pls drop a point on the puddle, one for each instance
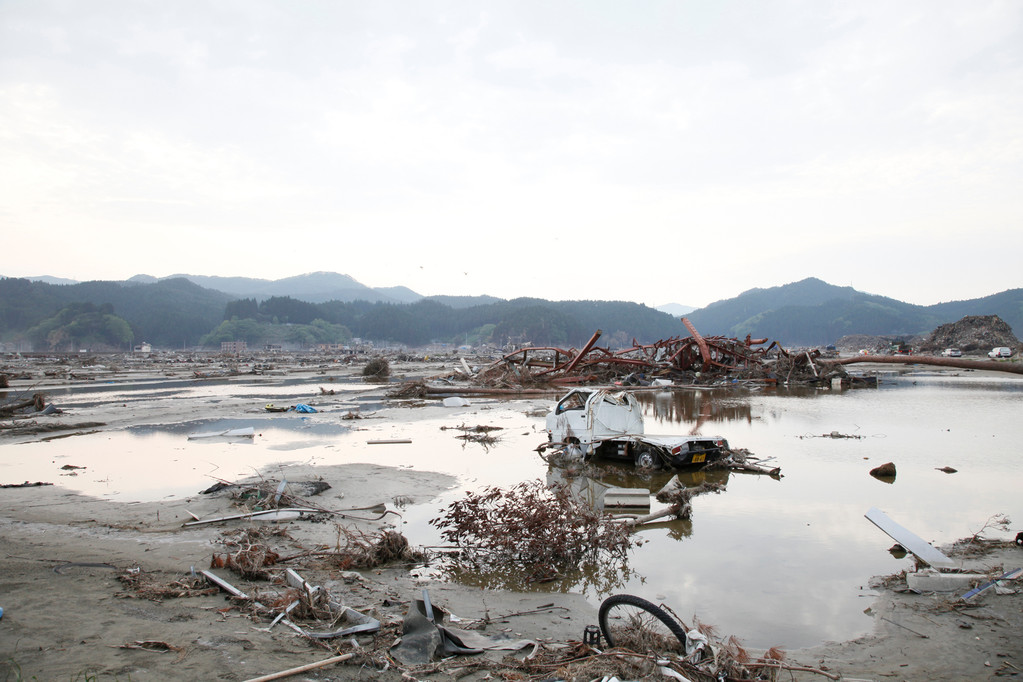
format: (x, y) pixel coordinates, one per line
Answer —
(774, 562)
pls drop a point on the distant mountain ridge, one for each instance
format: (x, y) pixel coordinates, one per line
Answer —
(809, 312)
(312, 287)
(812, 312)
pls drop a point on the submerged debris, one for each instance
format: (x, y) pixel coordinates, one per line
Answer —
(680, 497)
(477, 434)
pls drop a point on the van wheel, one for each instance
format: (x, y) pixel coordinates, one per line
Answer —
(646, 458)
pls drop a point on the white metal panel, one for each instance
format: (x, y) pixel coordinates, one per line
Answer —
(910, 540)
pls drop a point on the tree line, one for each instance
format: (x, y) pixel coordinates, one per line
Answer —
(179, 314)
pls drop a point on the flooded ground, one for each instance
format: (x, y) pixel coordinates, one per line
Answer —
(775, 562)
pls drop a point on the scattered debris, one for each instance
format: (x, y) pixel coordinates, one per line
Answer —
(151, 645)
(741, 459)
(267, 488)
(664, 364)
(37, 403)
(481, 434)
(145, 585)
(681, 497)
(929, 580)
(1010, 575)
(834, 434)
(245, 432)
(427, 635)
(670, 648)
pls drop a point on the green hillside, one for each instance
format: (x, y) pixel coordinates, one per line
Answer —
(177, 313)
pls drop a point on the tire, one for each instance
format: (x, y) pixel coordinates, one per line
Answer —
(634, 623)
(647, 458)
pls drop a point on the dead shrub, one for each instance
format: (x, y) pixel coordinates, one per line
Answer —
(251, 556)
(531, 524)
(357, 549)
(377, 367)
(157, 587)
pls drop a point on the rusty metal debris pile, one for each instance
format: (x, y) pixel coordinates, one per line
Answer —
(689, 360)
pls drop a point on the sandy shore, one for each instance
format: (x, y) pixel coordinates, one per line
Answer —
(71, 611)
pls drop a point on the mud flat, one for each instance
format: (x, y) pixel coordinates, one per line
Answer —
(70, 567)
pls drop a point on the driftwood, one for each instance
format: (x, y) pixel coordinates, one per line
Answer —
(673, 510)
(37, 402)
(991, 365)
(302, 669)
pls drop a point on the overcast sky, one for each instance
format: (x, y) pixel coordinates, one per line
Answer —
(646, 151)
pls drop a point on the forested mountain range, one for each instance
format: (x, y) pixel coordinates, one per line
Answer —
(813, 312)
(179, 313)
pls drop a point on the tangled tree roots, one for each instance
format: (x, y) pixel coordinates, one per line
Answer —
(356, 549)
(252, 555)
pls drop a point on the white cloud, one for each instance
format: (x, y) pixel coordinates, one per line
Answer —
(770, 136)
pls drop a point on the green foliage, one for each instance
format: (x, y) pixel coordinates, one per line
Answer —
(257, 333)
(170, 313)
(480, 335)
(82, 325)
(250, 331)
(286, 309)
(542, 325)
(242, 309)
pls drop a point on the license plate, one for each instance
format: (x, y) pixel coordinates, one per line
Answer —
(699, 458)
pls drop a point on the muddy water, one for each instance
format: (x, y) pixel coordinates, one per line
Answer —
(773, 561)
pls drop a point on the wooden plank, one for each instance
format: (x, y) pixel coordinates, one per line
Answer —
(920, 548)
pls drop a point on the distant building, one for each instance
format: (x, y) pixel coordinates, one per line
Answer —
(272, 347)
(233, 346)
(338, 348)
(144, 347)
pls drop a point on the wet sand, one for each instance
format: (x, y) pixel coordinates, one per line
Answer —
(67, 616)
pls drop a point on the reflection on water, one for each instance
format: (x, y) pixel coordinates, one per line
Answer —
(697, 407)
(775, 562)
(592, 578)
